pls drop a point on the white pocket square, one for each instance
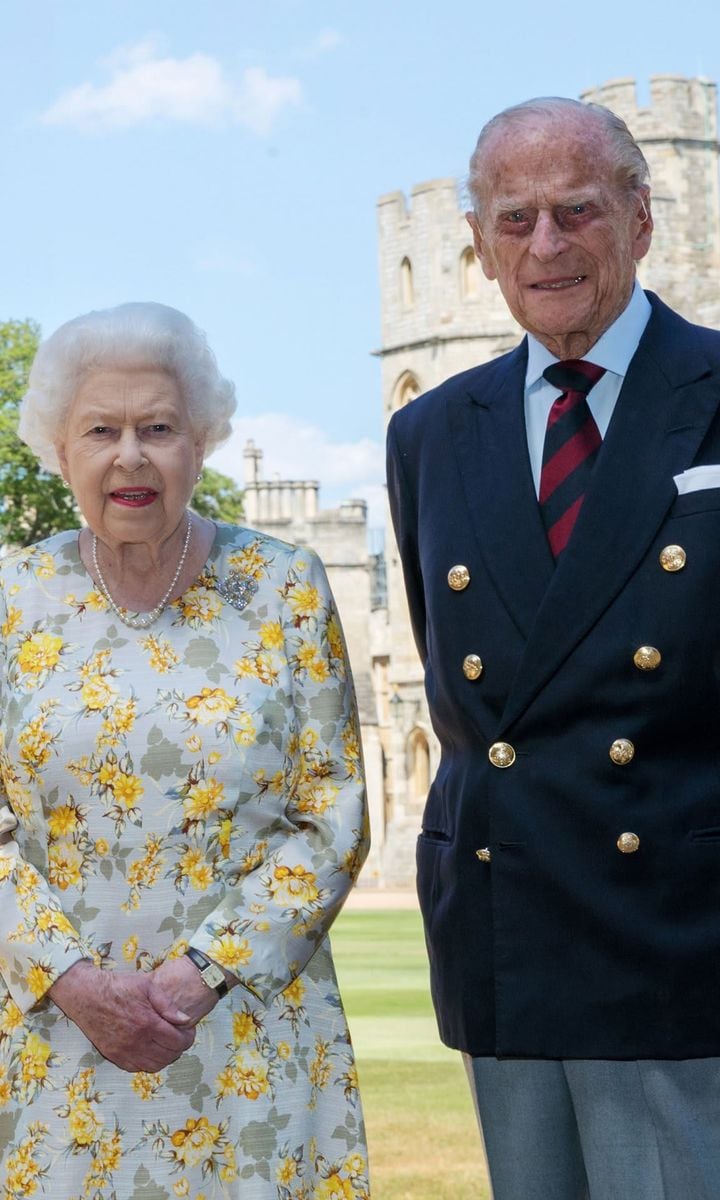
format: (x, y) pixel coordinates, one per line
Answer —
(698, 478)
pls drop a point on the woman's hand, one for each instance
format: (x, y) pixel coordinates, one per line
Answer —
(176, 984)
(117, 1014)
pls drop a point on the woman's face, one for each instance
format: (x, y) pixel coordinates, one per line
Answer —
(130, 454)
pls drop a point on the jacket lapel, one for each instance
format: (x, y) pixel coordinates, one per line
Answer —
(656, 430)
(488, 431)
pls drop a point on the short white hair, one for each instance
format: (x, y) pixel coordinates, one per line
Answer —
(626, 158)
(139, 334)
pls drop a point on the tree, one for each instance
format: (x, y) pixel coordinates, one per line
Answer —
(218, 497)
(33, 503)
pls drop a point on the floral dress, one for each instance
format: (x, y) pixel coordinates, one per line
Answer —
(198, 782)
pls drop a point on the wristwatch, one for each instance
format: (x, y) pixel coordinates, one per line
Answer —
(211, 974)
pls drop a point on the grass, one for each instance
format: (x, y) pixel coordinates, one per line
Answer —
(423, 1139)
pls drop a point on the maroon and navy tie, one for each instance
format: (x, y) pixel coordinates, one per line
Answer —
(572, 441)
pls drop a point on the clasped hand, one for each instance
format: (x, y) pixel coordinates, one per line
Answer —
(141, 1021)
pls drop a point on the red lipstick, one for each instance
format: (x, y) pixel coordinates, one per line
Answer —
(134, 497)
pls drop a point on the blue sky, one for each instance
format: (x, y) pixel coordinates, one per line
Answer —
(226, 158)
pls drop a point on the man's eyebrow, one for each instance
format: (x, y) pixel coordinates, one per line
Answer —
(509, 203)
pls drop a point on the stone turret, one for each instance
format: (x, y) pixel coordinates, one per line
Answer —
(677, 133)
(438, 310)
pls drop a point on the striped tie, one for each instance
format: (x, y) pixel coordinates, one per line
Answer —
(572, 440)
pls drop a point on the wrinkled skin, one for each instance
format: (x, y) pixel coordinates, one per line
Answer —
(557, 231)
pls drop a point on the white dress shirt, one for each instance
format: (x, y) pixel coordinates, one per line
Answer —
(612, 351)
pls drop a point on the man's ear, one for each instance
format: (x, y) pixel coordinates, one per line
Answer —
(644, 219)
(479, 243)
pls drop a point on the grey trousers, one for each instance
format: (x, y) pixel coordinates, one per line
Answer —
(596, 1130)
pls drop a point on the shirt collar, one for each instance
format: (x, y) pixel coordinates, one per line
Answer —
(612, 351)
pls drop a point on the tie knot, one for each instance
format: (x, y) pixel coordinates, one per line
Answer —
(573, 375)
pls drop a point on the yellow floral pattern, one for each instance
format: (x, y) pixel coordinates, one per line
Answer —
(197, 783)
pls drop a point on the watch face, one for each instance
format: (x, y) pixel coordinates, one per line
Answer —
(213, 975)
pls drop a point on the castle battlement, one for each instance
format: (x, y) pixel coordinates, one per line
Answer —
(680, 109)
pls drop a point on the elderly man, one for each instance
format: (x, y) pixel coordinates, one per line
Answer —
(558, 517)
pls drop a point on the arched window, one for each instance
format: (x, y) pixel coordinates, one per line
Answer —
(406, 389)
(407, 291)
(418, 759)
(469, 274)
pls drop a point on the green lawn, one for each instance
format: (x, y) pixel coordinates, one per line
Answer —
(424, 1143)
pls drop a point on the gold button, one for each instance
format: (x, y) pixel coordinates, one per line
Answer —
(501, 754)
(484, 854)
(622, 751)
(647, 658)
(458, 578)
(673, 558)
(472, 666)
(628, 843)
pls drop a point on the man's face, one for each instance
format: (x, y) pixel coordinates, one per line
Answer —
(557, 231)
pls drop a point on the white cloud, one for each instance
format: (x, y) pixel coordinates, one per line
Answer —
(145, 86)
(295, 449)
(261, 97)
(327, 40)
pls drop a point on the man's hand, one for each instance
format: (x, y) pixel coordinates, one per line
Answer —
(116, 1013)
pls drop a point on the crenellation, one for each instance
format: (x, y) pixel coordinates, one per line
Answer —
(620, 95)
(682, 108)
(679, 108)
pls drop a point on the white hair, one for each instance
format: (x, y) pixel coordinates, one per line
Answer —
(139, 334)
(625, 156)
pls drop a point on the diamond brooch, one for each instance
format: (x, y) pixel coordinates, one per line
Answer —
(237, 589)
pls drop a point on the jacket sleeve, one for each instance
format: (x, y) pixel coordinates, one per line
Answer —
(404, 513)
(282, 898)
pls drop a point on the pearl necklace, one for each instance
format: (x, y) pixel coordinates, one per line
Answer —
(142, 620)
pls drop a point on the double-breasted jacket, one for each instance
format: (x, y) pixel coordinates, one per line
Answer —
(569, 862)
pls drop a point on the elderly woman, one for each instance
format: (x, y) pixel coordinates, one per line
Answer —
(183, 809)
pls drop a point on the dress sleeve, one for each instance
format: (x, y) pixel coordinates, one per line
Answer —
(278, 907)
(37, 941)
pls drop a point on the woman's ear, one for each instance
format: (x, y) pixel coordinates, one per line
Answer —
(62, 459)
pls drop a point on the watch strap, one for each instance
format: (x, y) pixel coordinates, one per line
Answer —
(207, 967)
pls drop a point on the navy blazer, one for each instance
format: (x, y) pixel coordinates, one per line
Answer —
(561, 946)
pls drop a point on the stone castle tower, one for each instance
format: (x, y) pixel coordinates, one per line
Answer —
(440, 316)
(678, 134)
